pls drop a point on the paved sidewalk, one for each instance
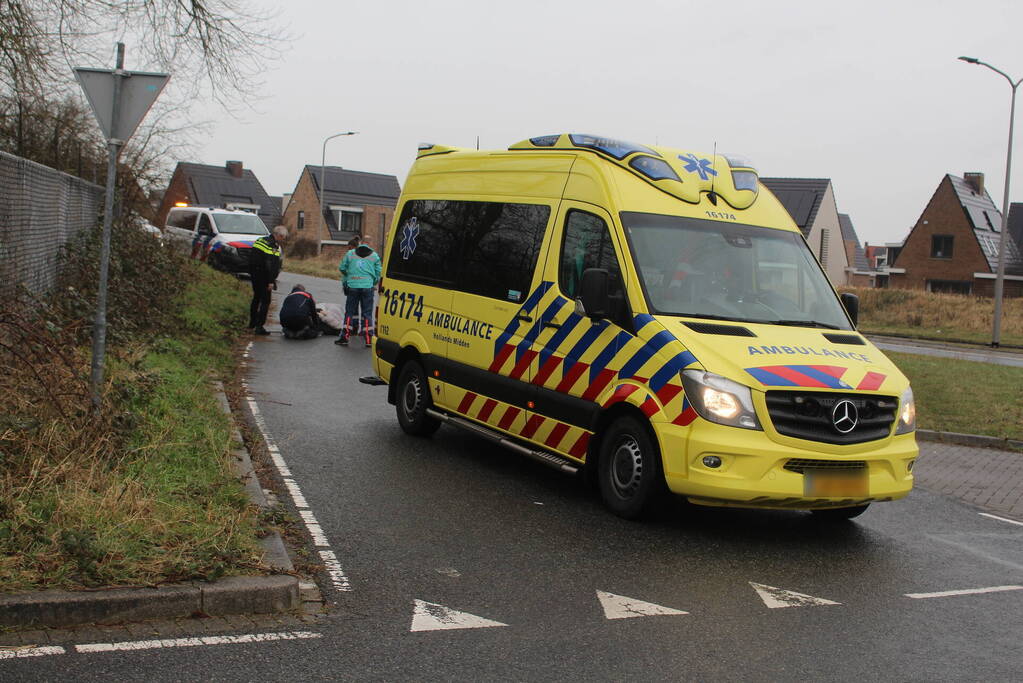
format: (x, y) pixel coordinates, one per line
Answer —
(987, 478)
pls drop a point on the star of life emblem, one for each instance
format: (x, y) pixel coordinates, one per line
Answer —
(704, 167)
(409, 232)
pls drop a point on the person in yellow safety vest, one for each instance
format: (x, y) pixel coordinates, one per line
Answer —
(264, 267)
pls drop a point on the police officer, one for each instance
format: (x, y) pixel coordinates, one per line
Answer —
(298, 315)
(264, 267)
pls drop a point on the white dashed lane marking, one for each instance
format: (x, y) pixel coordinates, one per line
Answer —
(338, 579)
(966, 591)
(196, 642)
(29, 651)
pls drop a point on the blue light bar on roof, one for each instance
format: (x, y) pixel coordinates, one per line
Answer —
(618, 149)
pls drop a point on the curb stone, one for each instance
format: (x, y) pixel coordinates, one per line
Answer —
(230, 595)
(974, 440)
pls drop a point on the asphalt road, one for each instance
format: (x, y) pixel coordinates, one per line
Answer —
(430, 534)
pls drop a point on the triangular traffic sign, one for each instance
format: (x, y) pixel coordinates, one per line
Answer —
(621, 607)
(778, 597)
(428, 616)
(138, 92)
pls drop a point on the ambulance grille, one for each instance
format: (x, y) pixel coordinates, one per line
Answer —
(802, 464)
(808, 415)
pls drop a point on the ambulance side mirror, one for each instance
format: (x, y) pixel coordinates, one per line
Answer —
(593, 293)
(852, 305)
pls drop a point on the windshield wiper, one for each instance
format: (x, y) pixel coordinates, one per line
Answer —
(804, 323)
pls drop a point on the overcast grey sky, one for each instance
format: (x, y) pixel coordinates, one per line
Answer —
(869, 94)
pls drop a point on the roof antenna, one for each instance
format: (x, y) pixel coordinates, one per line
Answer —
(713, 174)
(477, 143)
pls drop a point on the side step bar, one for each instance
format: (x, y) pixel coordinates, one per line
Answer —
(550, 459)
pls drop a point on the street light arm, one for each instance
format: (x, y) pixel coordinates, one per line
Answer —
(323, 172)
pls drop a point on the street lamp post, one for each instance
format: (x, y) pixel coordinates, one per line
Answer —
(1000, 277)
(323, 178)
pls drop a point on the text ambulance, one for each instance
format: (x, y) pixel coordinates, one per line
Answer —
(649, 313)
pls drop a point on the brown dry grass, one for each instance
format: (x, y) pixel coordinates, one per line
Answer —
(946, 317)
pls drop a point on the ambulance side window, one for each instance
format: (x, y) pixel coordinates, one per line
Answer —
(587, 244)
(502, 243)
(426, 243)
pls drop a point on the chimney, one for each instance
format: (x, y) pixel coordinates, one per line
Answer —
(975, 181)
(235, 168)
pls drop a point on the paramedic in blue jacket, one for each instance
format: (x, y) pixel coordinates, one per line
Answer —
(360, 273)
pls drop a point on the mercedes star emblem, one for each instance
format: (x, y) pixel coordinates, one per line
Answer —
(845, 416)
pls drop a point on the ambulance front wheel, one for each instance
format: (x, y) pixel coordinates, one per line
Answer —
(629, 468)
(413, 394)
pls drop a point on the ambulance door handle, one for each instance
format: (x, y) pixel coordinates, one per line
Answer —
(551, 324)
(524, 318)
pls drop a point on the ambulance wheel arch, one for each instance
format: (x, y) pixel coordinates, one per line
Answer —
(627, 466)
(411, 348)
(412, 394)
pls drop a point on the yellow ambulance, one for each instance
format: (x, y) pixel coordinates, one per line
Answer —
(650, 314)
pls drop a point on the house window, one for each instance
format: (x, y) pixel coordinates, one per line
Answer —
(941, 246)
(949, 287)
(348, 220)
(300, 224)
(824, 247)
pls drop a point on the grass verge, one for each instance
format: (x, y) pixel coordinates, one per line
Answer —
(141, 494)
(963, 396)
(317, 266)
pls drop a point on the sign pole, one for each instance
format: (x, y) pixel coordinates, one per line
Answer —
(99, 328)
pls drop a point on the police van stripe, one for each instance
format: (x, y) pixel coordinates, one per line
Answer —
(655, 344)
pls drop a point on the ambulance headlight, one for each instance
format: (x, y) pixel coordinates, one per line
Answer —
(907, 412)
(230, 251)
(719, 399)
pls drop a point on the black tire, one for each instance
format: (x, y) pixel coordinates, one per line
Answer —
(839, 514)
(413, 398)
(629, 468)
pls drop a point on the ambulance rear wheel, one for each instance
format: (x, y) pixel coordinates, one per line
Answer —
(629, 468)
(413, 394)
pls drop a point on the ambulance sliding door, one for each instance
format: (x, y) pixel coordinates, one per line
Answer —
(494, 311)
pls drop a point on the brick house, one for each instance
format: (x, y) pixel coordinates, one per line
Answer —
(811, 203)
(953, 247)
(354, 203)
(230, 186)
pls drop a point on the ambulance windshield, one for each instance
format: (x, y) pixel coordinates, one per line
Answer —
(729, 271)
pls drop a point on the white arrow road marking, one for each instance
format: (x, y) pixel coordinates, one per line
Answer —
(778, 597)
(621, 607)
(428, 616)
(967, 591)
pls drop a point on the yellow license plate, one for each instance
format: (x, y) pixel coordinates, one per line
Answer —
(835, 483)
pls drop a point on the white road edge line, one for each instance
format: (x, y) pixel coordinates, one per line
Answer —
(31, 651)
(333, 567)
(197, 641)
(1000, 519)
(967, 591)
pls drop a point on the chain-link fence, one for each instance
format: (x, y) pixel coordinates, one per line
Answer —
(40, 210)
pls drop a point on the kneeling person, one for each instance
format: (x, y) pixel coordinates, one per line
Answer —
(298, 315)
